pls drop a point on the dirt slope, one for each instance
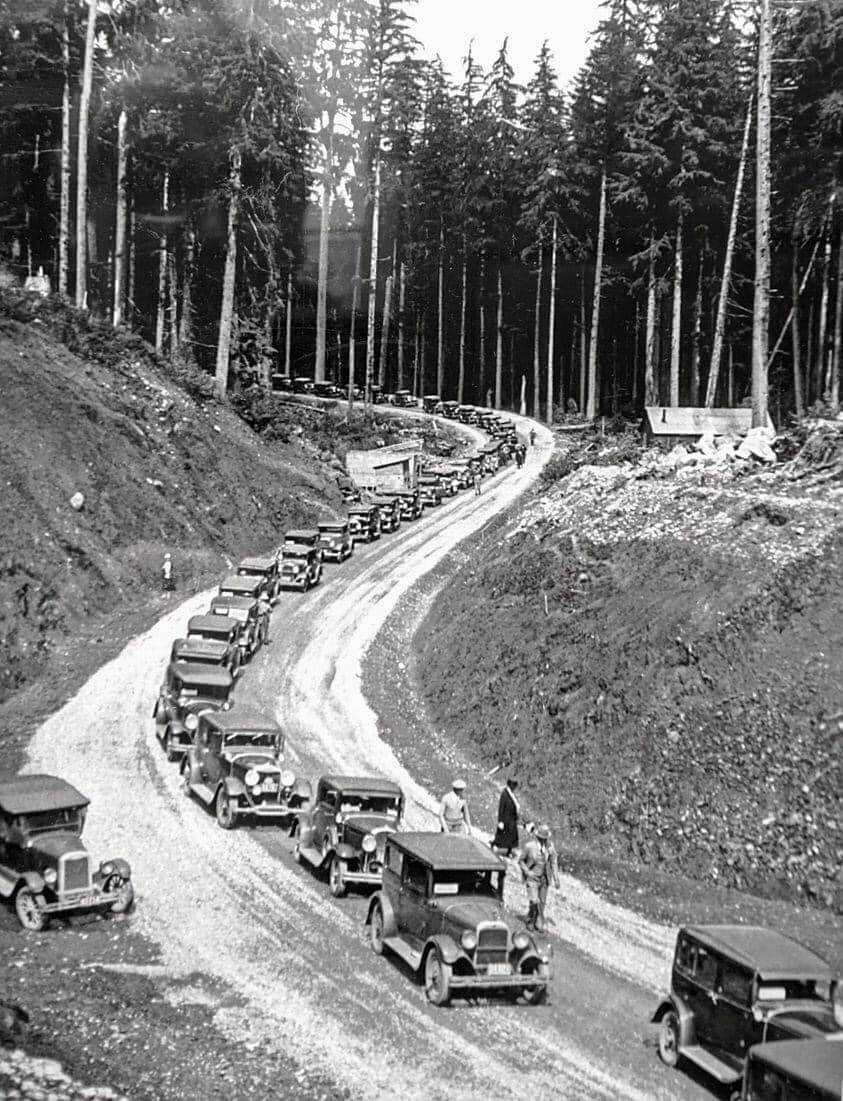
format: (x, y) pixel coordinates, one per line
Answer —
(661, 661)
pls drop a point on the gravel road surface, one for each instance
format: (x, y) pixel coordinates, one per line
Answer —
(235, 906)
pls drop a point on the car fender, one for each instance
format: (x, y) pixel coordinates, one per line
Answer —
(390, 925)
(122, 868)
(687, 1026)
(234, 786)
(447, 947)
(34, 881)
(345, 852)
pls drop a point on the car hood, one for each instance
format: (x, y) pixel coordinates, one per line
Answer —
(54, 845)
(805, 1019)
(468, 913)
(261, 762)
(369, 823)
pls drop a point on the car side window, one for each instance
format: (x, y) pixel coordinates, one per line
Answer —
(706, 969)
(394, 859)
(415, 874)
(215, 741)
(736, 983)
(685, 955)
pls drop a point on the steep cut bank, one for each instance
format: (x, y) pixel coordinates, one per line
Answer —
(660, 658)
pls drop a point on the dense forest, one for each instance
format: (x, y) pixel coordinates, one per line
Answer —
(288, 186)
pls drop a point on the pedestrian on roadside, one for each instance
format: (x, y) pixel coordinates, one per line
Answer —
(532, 437)
(453, 811)
(264, 613)
(538, 866)
(167, 582)
(509, 814)
(477, 480)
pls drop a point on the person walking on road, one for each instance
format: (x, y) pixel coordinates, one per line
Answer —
(532, 437)
(509, 813)
(538, 866)
(167, 582)
(477, 481)
(264, 613)
(453, 811)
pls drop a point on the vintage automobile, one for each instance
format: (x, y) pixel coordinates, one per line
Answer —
(449, 409)
(430, 490)
(389, 507)
(378, 397)
(346, 829)
(349, 492)
(218, 628)
(467, 414)
(237, 584)
(409, 502)
(266, 570)
(302, 384)
(405, 400)
(187, 691)
(486, 418)
(432, 403)
(441, 910)
(326, 390)
(335, 540)
(301, 537)
(364, 523)
(282, 383)
(447, 477)
(45, 868)
(733, 986)
(245, 611)
(207, 651)
(236, 766)
(793, 1070)
(461, 471)
(301, 567)
(490, 456)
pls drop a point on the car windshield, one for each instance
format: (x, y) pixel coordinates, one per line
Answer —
(790, 990)
(46, 821)
(251, 737)
(211, 636)
(466, 883)
(368, 804)
(240, 614)
(206, 691)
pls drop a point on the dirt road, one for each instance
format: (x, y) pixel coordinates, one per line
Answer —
(235, 906)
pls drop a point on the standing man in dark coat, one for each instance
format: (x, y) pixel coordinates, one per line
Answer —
(509, 812)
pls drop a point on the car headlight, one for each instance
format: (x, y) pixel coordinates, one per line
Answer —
(252, 777)
(256, 790)
(50, 876)
(287, 778)
(191, 722)
(369, 843)
(469, 940)
(227, 705)
(521, 940)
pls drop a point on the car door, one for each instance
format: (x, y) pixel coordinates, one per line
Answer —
(700, 993)
(212, 768)
(412, 901)
(733, 1028)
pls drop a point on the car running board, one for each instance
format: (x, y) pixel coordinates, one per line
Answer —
(712, 1064)
(205, 793)
(410, 956)
(311, 854)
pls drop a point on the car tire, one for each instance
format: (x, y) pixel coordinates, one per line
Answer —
(437, 979)
(126, 890)
(336, 878)
(226, 818)
(669, 1039)
(376, 938)
(29, 914)
(169, 749)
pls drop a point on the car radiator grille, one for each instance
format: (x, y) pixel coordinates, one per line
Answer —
(492, 945)
(76, 873)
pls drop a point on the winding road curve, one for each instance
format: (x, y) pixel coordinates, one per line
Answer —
(236, 907)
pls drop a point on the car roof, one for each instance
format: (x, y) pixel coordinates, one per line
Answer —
(772, 954)
(818, 1063)
(362, 785)
(208, 675)
(241, 718)
(292, 550)
(300, 534)
(256, 564)
(360, 508)
(449, 852)
(236, 581)
(244, 602)
(333, 524)
(201, 645)
(210, 623)
(38, 791)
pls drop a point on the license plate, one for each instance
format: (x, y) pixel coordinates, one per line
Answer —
(498, 969)
(269, 786)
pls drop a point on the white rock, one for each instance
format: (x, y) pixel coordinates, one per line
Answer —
(77, 501)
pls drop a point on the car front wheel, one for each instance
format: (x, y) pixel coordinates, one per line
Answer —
(669, 1039)
(170, 746)
(376, 931)
(29, 913)
(437, 979)
(226, 818)
(125, 894)
(336, 879)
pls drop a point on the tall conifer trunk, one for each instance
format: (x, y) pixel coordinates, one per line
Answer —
(373, 279)
(833, 386)
(463, 309)
(352, 330)
(402, 298)
(161, 297)
(651, 392)
(120, 221)
(324, 242)
(795, 333)
(499, 343)
(482, 335)
(229, 276)
(583, 349)
(593, 397)
(551, 321)
(440, 320)
(64, 201)
(386, 325)
(696, 336)
(82, 162)
(676, 320)
(761, 295)
(822, 336)
(187, 275)
(288, 327)
(537, 337)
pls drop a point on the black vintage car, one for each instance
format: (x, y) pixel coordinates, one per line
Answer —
(236, 766)
(793, 1070)
(207, 651)
(45, 868)
(430, 491)
(389, 507)
(245, 612)
(187, 691)
(301, 566)
(364, 523)
(265, 569)
(346, 829)
(335, 540)
(302, 384)
(733, 986)
(441, 910)
(449, 409)
(301, 537)
(220, 629)
(409, 502)
(405, 400)
(432, 403)
(282, 383)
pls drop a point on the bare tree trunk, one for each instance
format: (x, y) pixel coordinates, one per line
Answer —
(636, 354)
(583, 349)
(416, 353)
(809, 354)
(822, 336)
(324, 241)
(551, 322)
(386, 325)
(651, 391)
(730, 391)
(288, 328)
(373, 279)
(482, 380)
(676, 320)
(402, 296)
(132, 257)
(795, 335)
(499, 344)
(423, 357)
(120, 221)
(833, 388)
(64, 202)
(187, 274)
(696, 337)
(537, 366)
(440, 330)
(160, 302)
(463, 308)
(352, 333)
(172, 280)
(591, 408)
(761, 300)
(725, 282)
(229, 277)
(82, 162)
